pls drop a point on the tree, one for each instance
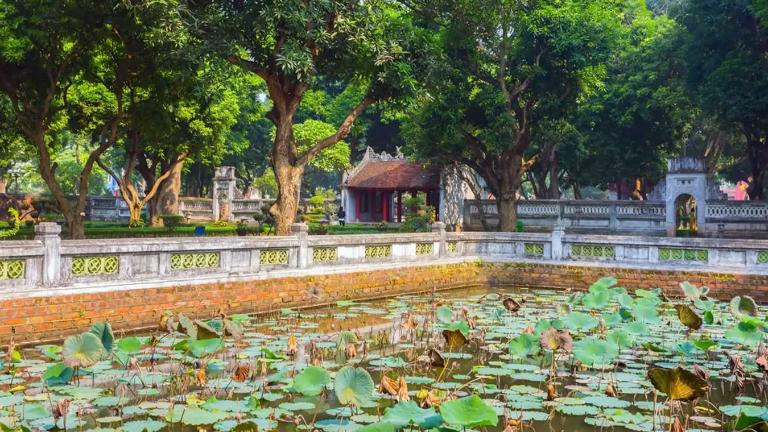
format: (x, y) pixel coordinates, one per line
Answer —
(290, 44)
(727, 58)
(44, 47)
(641, 114)
(507, 66)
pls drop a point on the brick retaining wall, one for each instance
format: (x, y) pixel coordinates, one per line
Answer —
(38, 319)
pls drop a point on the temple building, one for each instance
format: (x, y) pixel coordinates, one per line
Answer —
(373, 190)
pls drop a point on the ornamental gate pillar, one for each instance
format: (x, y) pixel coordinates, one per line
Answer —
(223, 193)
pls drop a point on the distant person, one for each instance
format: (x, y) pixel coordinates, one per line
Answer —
(342, 216)
(741, 191)
(750, 187)
(637, 194)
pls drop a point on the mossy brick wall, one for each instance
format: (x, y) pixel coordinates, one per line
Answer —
(52, 318)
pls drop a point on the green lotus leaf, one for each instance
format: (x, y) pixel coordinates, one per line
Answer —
(129, 345)
(646, 310)
(704, 344)
(311, 381)
(83, 350)
(743, 305)
(591, 351)
(205, 347)
(353, 386)
(377, 427)
(104, 332)
(603, 284)
(444, 315)
(692, 292)
(58, 373)
(193, 416)
(406, 413)
(678, 384)
(746, 333)
(620, 338)
(580, 321)
(469, 412)
(461, 326)
(524, 345)
(143, 426)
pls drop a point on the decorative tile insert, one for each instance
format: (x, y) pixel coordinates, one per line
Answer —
(681, 254)
(273, 257)
(453, 247)
(424, 248)
(95, 265)
(197, 260)
(378, 251)
(762, 257)
(534, 249)
(325, 254)
(13, 269)
(593, 251)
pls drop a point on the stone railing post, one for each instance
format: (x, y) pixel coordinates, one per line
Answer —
(48, 234)
(557, 240)
(439, 228)
(613, 214)
(301, 231)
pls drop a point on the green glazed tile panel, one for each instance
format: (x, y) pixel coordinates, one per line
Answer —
(762, 257)
(453, 247)
(325, 254)
(274, 257)
(95, 265)
(683, 254)
(534, 249)
(424, 248)
(196, 260)
(593, 251)
(378, 251)
(13, 269)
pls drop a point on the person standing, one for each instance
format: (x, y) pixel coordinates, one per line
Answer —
(741, 190)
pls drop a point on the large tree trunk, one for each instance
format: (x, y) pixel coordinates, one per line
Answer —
(510, 183)
(758, 158)
(73, 215)
(3, 185)
(166, 201)
(287, 203)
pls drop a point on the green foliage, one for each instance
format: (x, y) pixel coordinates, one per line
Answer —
(469, 412)
(311, 381)
(83, 350)
(353, 386)
(418, 215)
(503, 68)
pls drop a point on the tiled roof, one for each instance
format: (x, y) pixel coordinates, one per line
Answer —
(393, 174)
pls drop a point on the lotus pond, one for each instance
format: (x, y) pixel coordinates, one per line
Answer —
(471, 359)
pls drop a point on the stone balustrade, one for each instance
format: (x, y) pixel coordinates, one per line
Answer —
(49, 265)
(627, 217)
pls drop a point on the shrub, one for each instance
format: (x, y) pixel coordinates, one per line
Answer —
(139, 223)
(171, 222)
(418, 216)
